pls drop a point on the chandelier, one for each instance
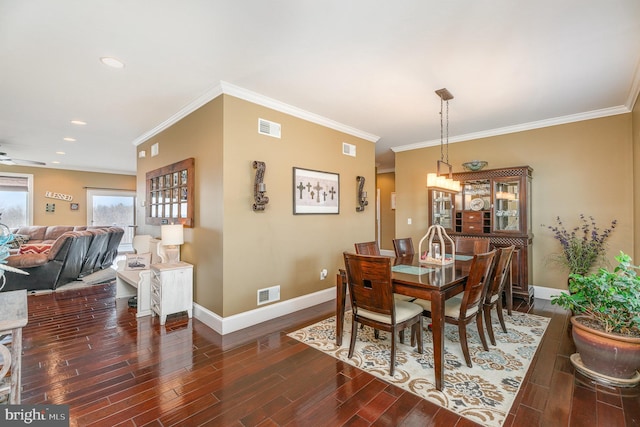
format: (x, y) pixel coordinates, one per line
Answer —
(436, 181)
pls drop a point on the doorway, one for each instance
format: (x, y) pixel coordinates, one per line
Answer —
(114, 208)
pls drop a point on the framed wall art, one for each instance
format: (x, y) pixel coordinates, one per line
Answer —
(170, 194)
(315, 192)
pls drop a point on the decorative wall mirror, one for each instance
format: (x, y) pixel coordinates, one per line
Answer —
(170, 194)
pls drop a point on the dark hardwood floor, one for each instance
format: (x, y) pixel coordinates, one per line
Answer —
(83, 349)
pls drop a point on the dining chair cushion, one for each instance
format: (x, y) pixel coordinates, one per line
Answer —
(404, 311)
(451, 306)
(400, 297)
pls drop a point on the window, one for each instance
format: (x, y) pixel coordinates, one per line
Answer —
(16, 199)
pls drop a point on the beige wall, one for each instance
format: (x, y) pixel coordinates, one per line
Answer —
(386, 184)
(636, 192)
(237, 251)
(584, 167)
(68, 182)
(198, 135)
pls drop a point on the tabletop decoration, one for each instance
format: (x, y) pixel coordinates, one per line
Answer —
(436, 252)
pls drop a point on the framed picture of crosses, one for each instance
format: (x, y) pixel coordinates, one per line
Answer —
(315, 192)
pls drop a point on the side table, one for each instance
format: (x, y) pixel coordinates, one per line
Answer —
(13, 317)
(171, 289)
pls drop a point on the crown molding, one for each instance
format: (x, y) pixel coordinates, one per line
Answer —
(256, 98)
(635, 89)
(247, 95)
(210, 94)
(589, 115)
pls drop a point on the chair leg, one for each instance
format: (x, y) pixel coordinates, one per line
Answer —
(401, 336)
(462, 331)
(481, 330)
(393, 353)
(418, 334)
(352, 343)
(487, 320)
(501, 317)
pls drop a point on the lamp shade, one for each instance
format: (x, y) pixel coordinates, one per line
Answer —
(172, 234)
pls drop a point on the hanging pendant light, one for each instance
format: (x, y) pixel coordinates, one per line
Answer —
(438, 181)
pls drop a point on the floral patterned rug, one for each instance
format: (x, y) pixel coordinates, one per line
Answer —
(483, 393)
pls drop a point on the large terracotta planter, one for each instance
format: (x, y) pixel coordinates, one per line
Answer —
(611, 355)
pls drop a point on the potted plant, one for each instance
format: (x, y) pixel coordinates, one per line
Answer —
(606, 321)
(583, 245)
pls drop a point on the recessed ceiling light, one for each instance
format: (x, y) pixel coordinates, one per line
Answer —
(60, 152)
(56, 162)
(78, 122)
(69, 139)
(112, 62)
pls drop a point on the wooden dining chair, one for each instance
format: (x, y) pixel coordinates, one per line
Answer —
(367, 248)
(493, 298)
(373, 304)
(461, 310)
(403, 247)
(471, 246)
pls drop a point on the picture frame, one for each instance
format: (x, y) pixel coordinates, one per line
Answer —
(315, 192)
(170, 194)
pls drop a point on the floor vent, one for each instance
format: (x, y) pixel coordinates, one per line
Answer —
(348, 149)
(265, 127)
(268, 295)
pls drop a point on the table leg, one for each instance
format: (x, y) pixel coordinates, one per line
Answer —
(341, 296)
(437, 326)
(16, 366)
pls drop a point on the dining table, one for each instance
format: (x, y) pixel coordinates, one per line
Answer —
(414, 278)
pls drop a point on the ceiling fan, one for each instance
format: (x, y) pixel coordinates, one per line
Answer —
(6, 160)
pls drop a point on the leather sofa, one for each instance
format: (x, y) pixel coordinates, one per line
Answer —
(75, 252)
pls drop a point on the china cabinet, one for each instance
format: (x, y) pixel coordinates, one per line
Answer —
(493, 204)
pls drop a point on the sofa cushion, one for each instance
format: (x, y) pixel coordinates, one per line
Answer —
(35, 232)
(34, 249)
(53, 232)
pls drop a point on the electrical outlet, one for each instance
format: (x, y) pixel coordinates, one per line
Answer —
(323, 274)
(409, 221)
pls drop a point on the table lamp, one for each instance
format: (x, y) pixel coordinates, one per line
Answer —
(172, 237)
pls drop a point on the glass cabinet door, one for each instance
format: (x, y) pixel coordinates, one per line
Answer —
(441, 208)
(473, 190)
(506, 206)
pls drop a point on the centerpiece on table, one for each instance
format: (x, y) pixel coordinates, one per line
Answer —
(583, 245)
(606, 322)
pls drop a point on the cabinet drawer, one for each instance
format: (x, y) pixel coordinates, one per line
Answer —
(472, 222)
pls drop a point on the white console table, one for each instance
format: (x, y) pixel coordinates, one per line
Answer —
(13, 317)
(171, 289)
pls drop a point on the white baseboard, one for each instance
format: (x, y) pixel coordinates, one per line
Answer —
(545, 293)
(226, 325)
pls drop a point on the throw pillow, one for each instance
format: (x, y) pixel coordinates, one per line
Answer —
(137, 261)
(18, 240)
(34, 249)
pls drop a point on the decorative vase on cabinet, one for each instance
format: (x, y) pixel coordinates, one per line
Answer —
(496, 204)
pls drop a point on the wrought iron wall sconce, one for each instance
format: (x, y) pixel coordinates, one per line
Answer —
(259, 187)
(361, 194)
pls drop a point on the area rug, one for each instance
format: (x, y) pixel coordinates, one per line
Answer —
(483, 393)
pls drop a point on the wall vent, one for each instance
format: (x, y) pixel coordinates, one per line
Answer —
(268, 295)
(265, 127)
(348, 149)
